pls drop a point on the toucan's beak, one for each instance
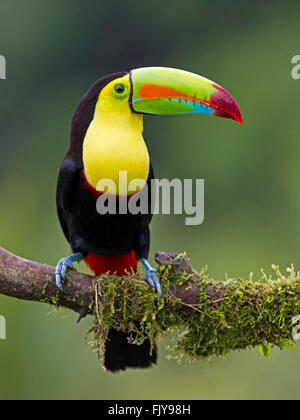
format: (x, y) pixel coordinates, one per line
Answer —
(166, 91)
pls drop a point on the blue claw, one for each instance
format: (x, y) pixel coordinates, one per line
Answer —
(153, 281)
(151, 277)
(62, 267)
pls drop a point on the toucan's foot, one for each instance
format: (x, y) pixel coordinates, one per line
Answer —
(153, 281)
(62, 267)
(61, 271)
(151, 277)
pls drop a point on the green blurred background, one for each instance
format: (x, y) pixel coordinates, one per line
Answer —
(55, 51)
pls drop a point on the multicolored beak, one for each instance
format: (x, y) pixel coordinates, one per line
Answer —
(167, 91)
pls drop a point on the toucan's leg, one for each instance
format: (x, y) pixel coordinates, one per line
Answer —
(151, 276)
(62, 267)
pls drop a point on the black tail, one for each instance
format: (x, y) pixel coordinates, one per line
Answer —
(120, 354)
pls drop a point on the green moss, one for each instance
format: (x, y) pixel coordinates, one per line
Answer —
(52, 300)
(247, 314)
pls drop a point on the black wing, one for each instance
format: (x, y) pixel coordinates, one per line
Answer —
(67, 185)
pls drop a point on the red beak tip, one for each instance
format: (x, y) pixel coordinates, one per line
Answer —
(237, 116)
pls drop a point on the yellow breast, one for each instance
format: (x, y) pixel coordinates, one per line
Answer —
(114, 143)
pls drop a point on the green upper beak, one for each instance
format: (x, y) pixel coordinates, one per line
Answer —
(167, 91)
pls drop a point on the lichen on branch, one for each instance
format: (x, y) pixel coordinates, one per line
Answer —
(210, 317)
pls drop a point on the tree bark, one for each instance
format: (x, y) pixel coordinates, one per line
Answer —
(216, 316)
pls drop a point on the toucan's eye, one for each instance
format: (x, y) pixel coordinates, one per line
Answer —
(119, 89)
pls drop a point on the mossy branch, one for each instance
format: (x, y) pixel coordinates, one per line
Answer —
(211, 317)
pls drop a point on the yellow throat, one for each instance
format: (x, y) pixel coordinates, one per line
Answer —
(114, 142)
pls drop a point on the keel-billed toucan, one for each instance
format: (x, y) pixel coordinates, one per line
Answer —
(106, 138)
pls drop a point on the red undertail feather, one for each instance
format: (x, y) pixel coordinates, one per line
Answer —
(114, 264)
